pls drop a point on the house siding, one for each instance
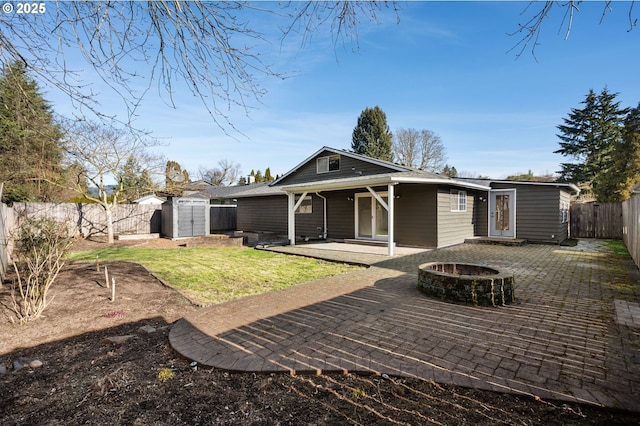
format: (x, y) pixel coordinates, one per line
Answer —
(349, 167)
(481, 214)
(453, 227)
(268, 214)
(416, 215)
(340, 214)
(309, 225)
(538, 216)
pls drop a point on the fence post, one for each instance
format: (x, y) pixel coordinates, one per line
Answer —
(6, 225)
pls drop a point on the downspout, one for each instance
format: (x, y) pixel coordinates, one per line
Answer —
(324, 216)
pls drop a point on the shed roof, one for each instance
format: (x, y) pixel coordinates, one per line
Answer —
(569, 186)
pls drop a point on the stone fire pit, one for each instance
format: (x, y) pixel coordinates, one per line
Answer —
(466, 283)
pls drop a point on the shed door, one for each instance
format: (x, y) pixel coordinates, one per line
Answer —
(191, 221)
(502, 213)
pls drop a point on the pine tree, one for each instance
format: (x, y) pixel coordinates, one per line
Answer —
(630, 152)
(134, 180)
(30, 154)
(617, 182)
(258, 177)
(372, 136)
(589, 136)
(450, 171)
(267, 175)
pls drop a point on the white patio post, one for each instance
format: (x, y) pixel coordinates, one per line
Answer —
(390, 218)
(292, 219)
(293, 206)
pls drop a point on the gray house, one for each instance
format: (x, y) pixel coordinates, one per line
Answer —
(341, 195)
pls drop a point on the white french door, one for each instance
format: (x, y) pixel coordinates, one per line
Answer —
(502, 213)
(372, 219)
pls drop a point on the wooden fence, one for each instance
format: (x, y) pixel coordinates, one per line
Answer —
(89, 219)
(631, 227)
(223, 217)
(596, 220)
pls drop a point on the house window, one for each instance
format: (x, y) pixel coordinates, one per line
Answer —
(564, 212)
(458, 200)
(306, 206)
(327, 164)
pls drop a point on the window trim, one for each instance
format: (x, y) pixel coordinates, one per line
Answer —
(328, 159)
(307, 204)
(458, 200)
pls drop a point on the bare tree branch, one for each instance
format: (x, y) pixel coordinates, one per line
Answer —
(226, 174)
(212, 47)
(100, 152)
(531, 30)
(421, 149)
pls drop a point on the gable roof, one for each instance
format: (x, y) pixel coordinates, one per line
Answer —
(397, 174)
(393, 167)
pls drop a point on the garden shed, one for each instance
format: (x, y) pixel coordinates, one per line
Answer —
(185, 217)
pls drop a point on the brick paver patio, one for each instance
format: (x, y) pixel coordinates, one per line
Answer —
(572, 335)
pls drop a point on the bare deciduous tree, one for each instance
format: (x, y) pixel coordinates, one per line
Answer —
(100, 152)
(539, 12)
(225, 174)
(421, 149)
(215, 48)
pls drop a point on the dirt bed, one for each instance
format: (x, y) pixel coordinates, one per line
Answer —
(85, 379)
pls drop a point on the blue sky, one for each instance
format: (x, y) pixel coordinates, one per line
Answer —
(445, 67)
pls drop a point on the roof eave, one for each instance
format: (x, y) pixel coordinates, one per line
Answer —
(377, 181)
(335, 186)
(441, 181)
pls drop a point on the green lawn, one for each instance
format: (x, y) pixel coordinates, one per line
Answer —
(214, 275)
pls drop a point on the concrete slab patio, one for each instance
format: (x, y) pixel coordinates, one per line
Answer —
(573, 334)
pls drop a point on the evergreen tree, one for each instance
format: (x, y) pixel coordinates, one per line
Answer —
(630, 152)
(134, 180)
(372, 136)
(617, 182)
(30, 154)
(589, 136)
(267, 175)
(450, 171)
(258, 177)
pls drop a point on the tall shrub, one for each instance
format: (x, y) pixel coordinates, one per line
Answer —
(40, 247)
